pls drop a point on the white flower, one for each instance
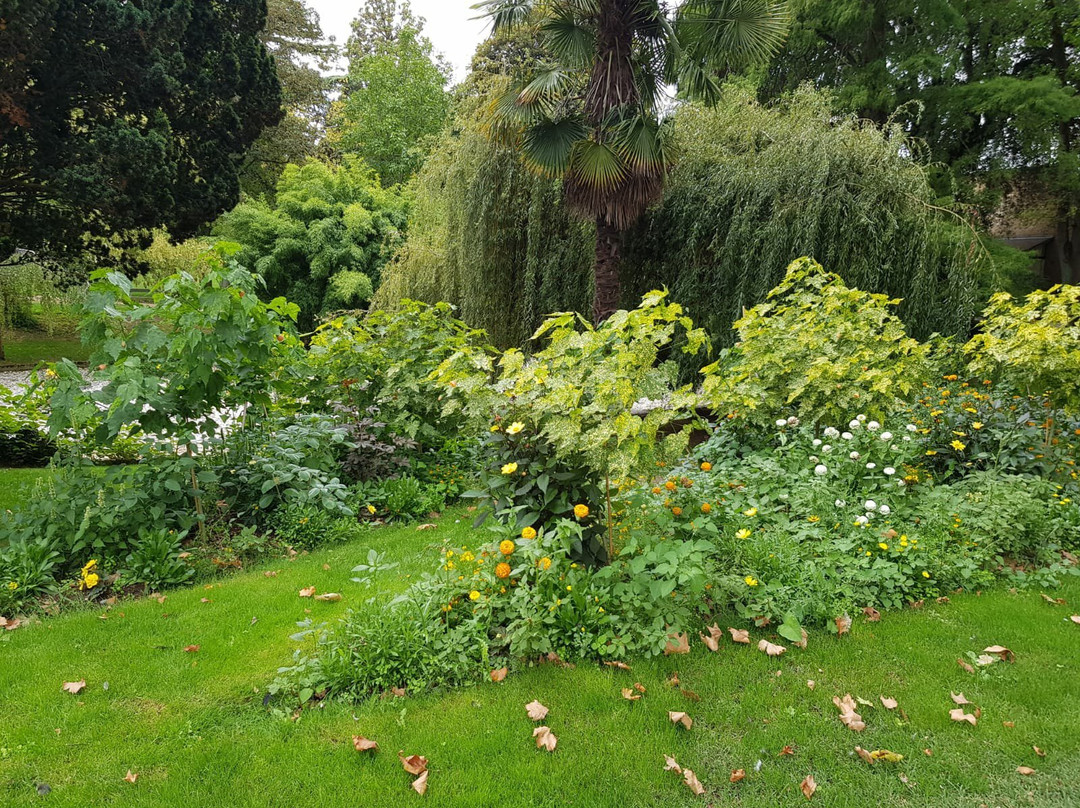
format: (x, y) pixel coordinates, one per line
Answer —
(886, 435)
(832, 432)
(840, 503)
(820, 470)
(816, 442)
(860, 417)
(853, 424)
(873, 425)
(847, 436)
(870, 505)
(889, 471)
(895, 448)
(826, 448)
(907, 438)
(815, 459)
(792, 421)
(911, 428)
(885, 510)
(900, 483)
(781, 422)
(861, 520)
(871, 466)
(854, 455)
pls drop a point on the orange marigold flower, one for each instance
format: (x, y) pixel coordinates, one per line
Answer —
(502, 570)
(528, 533)
(669, 485)
(706, 508)
(677, 511)
(706, 466)
(506, 547)
(581, 511)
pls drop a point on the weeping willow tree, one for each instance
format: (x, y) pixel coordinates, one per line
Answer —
(757, 187)
(754, 187)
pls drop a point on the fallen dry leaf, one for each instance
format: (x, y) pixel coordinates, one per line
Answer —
(692, 782)
(74, 688)
(740, 635)
(629, 694)
(307, 592)
(872, 614)
(545, 739)
(398, 691)
(191, 649)
(619, 665)
(738, 775)
(362, 744)
(1052, 601)
(916, 604)
(420, 784)
(864, 755)
(329, 597)
(326, 567)
(639, 687)
(271, 573)
(9, 625)
(1076, 619)
(671, 764)
(1008, 724)
(787, 750)
(848, 717)
(1002, 652)
(810, 683)
(928, 752)
(130, 777)
(770, 648)
(673, 680)
(843, 626)
(802, 639)
(886, 755)
(1027, 771)
(690, 694)
(959, 715)
(681, 718)
(888, 703)
(942, 600)
(499, 674)
(964, 665)
(959, 698)
(159, 598)
(710, 641)
(413, 764)
(1039, 752)
(677, 644)
(536, 711)
(204, 600)
(426, 526)
(808, 786)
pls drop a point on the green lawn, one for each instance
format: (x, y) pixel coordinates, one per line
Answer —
(192, 725)
(15, 484)
(31, 347)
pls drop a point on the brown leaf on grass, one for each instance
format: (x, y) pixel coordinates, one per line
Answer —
(787, 750)
(629, 694)
(413, 764)
(619, 665)
(916, 604)
(191, 649)
(426, 526)
(271, 573)
(843, 625)
(556, 660)
(362, 744)
(770, 648)
(398, 691)
(959, 715)
(130, 777)
(673, 680)
(942, 600)
(810, 683)
(545, 739)
(158, 598)
(872, 614)
(204, 600)
(964, 665)
(639, 687)
(848, 716)
(864, 755)
(1008, 724)
(928, 752)
(75, 688)
(959, 698)
(671, 764)
(307, 592)
(326, 567)
(499, 674)
(712, 639)
(536, 711)
(1001, 651)
(808, 786)
(692, 782)
(738, 775)
(690, 694)
(419, 785)
(1076, 619)
(802, 639)
(680, 718)
(1052, 601)
(677, 644)
(9, 625)
(740, 635)
(888, 703)
(1039, 752)
(1027, 771)
(886, 755)
(329, 597)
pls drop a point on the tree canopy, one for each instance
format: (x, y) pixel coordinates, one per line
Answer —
(117, 117)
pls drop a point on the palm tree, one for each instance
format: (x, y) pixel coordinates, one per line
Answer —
(593, 114)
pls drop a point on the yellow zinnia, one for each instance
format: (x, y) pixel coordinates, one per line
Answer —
(750, 580)
(581, 511)
(502, 570)
(528, 533)
(514, 428)
(743, 534)
(506, 547)
(474, 595)
(544, 563)
(958, 445)
(509, 468)
(750, 512)
(706, 466)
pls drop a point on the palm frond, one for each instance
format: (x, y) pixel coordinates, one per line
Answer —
(640, 140)
(548, 145)
(505, 13)
(544, 85)
(596, 165)
(570, 38)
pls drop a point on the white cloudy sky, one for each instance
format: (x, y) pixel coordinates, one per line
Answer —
(450, 25)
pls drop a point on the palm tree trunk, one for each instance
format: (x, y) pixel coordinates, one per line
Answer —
(606, 270)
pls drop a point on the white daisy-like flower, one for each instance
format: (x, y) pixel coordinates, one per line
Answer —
(911, 428)
(854, 455)
(820, 470)
(861, 520)
(860, 417)
(885, 510)
(792, 421)
(886, 435)
(873, 426)
(781, 422)
(840, 503)
(847, 436)
(826, 448)
(871, 466)
(889, 471)
(900, 483)
(907, 438)
(870, 505)
(832, 432)
(814, 459)
(854, 424)
(816, 441)
(895, 448)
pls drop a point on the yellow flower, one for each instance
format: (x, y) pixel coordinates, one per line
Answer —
(568, 587)
(656, 489)
(706, 507)
(750, 580)
(936, 412)
(502, 570)
(813, 519)
(706, 466)
(528, 533)
(669, 485)
(925, 574)
(958, 445)
(743, 534)
(91, 580)
(581, 511)
(931, 452)
(474, 595)
(89, 566)
(514, 428)
(544, 563)
(677, 511)
(371, 509)
(509, 468)
(13, 585)
(883, 545)
(750, 512)
(506, 547)
(495, 428)
(467, 556)
(977, 425)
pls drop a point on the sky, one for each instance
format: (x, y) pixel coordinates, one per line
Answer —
(450, 26)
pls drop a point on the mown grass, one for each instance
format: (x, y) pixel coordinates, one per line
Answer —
(192, 725)
(31, 347)
(15, 484)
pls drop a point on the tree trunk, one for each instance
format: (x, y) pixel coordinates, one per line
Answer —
(606, 270)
